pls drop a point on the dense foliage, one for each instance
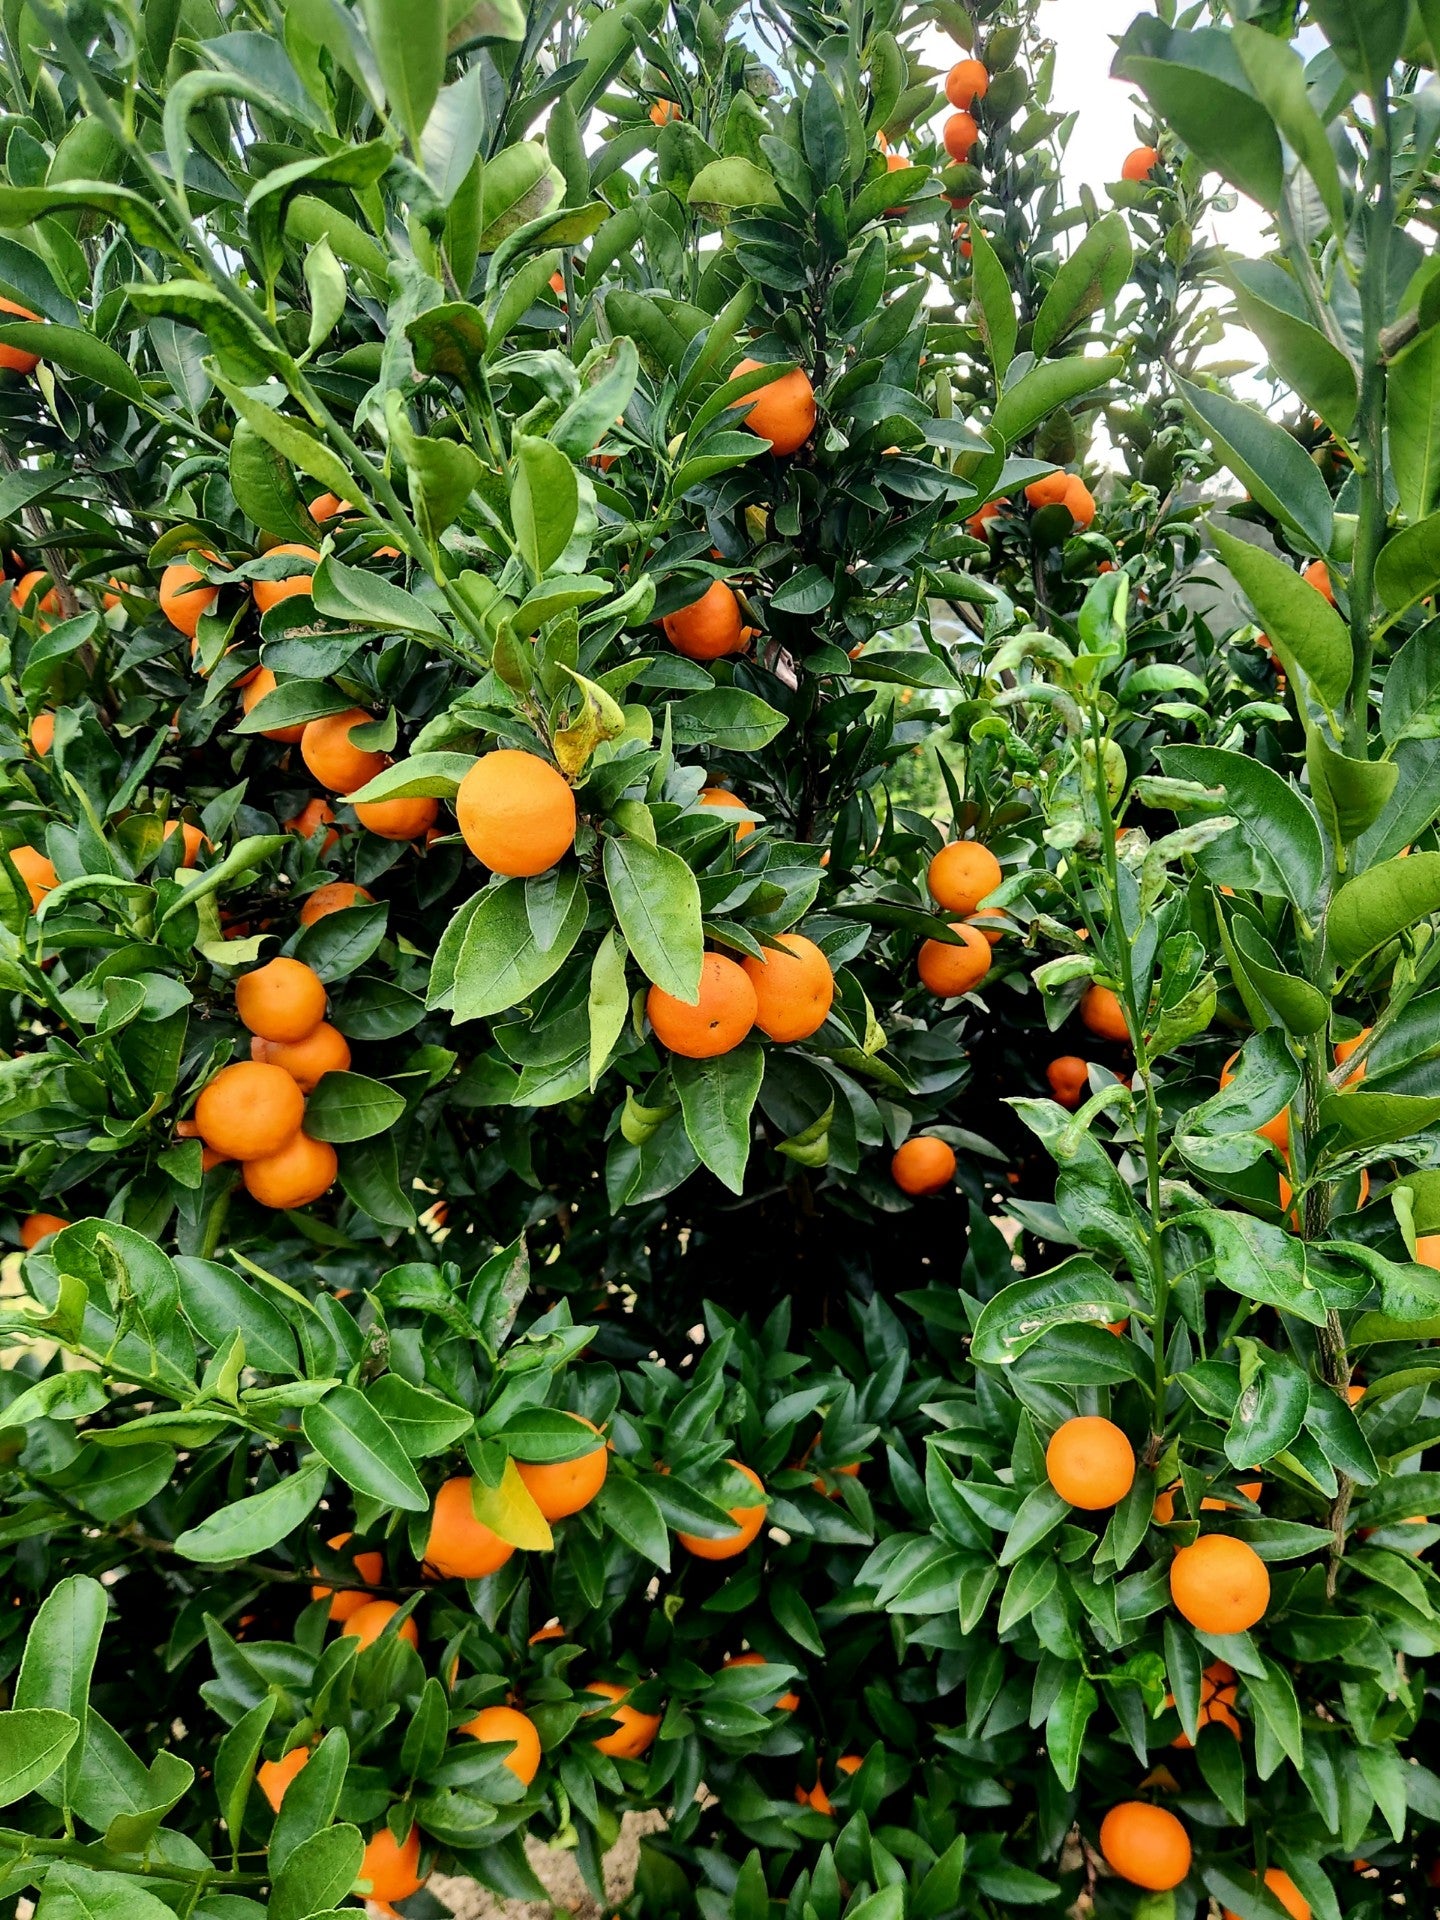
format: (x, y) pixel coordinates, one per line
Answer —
(717, 943)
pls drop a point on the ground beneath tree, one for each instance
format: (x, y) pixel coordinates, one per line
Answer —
(557, 1871)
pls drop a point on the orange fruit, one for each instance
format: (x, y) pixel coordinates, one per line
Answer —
(1102, 1013)
(26, 585)
(851, 1471)
(552, 1630)
(722, 797)
(325, 506)
(269, 593)
(1080, 500)
(331, 755)
(1049, 491)
(307, 1061)
(1276, 1130)
(42, 733)
(1069, 1078)
(816, 1798)
(38, 1227)
(294, 1174)
(1427, 1249)
(181, 601)
(191, 838)
(636, 1732)
(334, 897)
(991, 922)
(1139, 164)
(793, 988)
(508, 1723)
(748, 1522)
(1347, 1049)
(1218, 1693)
(1250, 1488)
(1317, 575)
(923, 1165)
(460, 1547)
(368, 1566)
(1145, 1845)
(18, 359)
(961, 874)
(562, 1487)
(397, 819)
(254, 691)
(392, 1871)
(978, 525)
(516, 813)
(274, 1776)
(782, 411)
(36, 870)
(708, 628)
(950, 970)
(1286, 1892)
(368, 1622)
(785, 1702)
(664, 111)
(717, 1023)
(1220, 1585)
(249, 1109)
(1090, 1463)
(283, 1000)
(307, 822)
(967, 82)
(962, 130)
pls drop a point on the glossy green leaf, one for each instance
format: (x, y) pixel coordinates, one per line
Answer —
(1089, 280)
(353, 1436)
(1267, 460)
(657, 904)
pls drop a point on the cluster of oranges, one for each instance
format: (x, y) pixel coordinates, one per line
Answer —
(253, 1111)
(787, 995)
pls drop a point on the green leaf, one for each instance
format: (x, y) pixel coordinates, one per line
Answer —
(717, 1099)
(298, 445)
(291, 704)
(1376, 1119)
(311, 1798)
(1376, 906)
(59, 1659)
(33, 1744)
(1054, 383)
(261, 1520)
(1267, 460)
(1412, 411)
(1276, 71)
(1278, 830)
(264, 488)
(350, 1106)
(1066, 1722)
(1259, 1262)
(320, 1872)
(423, 1422)
(407, 38)
(1196, 84)
(1408, 568)
(431, 776)
(358, 1443)
(733, 182)
(625, 1506)
(76, 352)
(366, 600)
(608, 1003)
(1087, 281)
(1304, 358)
(1349, 795)
(993, 304)
(728, 718)
(1079, 1292)
(1269, 1413)
(544, 500)
(73, 1892)
(1302, 625)
(518, 186)
(235, 1761)
(499, 963)
(657, 903)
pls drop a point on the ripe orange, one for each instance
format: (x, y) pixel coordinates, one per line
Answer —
(1139, 164)
(923, 1165)
(269, 593)
(782, 411)
(274, 1776)
(1277, 1130)
(1285, 1891)
(508, 1723)
(967, 82)
(283, 1000)
(294, 1174)
(26, 585)
(36, 870)
(1080, 500)
(1145, 1845)
(1069, 1078)
(722, 797)
(1049, 491)
(717, 1023)
(978, 525)
(664, 111)
(748, 1522)
(1220, 1585)
(708, 628)
(1317, 575)
(1347, 1049)
(793, 988)
(249, 1109)
(561, 1487)
(331, 755)
(334, 897)
(393, 1872)
(42, 733)
(991, 922)
(368, 1566)
(1250, 1488)
(18, 359)
(636, 1732)
(325, 506)
(785, 1702)
(397, 819)
(307, 822)
(1090, 1463)
(961, 875)
(181, 601)
(948, 970)
(1102, 1013)
(191, 839)
(962, 130)
(369, 1621)
(1218, 1692)
(461, 1547)
(516, 813)
(1427, 1249)
(38, 1227)
(307, 1061)
(254, 691)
